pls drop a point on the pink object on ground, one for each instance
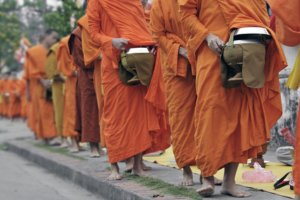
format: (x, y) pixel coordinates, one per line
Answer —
(259, 175)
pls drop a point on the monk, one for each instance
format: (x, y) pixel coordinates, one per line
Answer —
(15, 97)
(1, 95)
(22, 87)
(233, 124)
(6, 95)
(180, 84)
(130, 121)
(288, 32)
(87, 115)
(67, 68)
(57, 87)
(287, 21)
(38, 88)
(92, 55)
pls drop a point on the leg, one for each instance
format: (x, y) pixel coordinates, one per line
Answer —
(137, 166)
(187, 176)
(64, 142)
(129, 165)
(217, 181)
(144, 166)
(208, 187)
(115, 172)
(94, 150)
(229, 186)
(74, 146)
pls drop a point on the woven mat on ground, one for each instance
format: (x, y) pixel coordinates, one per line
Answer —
(167, 159)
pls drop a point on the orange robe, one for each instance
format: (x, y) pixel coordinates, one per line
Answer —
(22, 85)
(167, 29)
(66, 67)
(287, 20)
(231, 124)
(42, 112)
(87, 115)
(1, 96)
(6, 90)
(132, 125)
(15, 99)
(29, 109)
(92, 54)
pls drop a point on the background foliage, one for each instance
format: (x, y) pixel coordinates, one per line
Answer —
(31, 20)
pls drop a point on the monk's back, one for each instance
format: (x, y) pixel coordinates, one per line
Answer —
(216, 14)
(37, 56)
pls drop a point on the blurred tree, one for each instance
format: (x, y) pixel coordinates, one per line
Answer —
(30, 20)
(62, 19)
(10, 33)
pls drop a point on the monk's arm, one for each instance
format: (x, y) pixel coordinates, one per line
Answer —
(157, 25)
(194, 29)
(94, 22)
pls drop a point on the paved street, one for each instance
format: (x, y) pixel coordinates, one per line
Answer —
(22, 180)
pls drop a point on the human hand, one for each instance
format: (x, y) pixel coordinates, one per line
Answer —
(46, 83)
(119, 43)
(214, 43)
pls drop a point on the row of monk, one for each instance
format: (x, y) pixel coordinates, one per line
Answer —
(74, 87)
(12, 96)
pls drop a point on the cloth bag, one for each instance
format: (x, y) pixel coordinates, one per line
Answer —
(247, 59)
(137, 66)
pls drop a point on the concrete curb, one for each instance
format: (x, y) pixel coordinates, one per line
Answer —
(71, 171)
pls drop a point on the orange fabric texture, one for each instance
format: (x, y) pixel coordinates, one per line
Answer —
(287, 20)
(15, 99)
(23, 98)
(131, 123)
(167, 29)
(90, 49)
(244, 116)
(67, 68)
(42, 112)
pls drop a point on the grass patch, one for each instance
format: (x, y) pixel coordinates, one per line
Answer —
(3, 147)
(165, 188)
(61, 151)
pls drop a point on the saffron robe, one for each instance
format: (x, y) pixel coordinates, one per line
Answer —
(166, 27)
(132, 124)
(235, 122)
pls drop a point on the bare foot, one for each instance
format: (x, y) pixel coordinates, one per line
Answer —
(75, 148)
(95, 154)
(115, 173)
(101, 152)
(94, 150)
(187, 177)
(207, 189)
(137, 166)
(64, 144)
(234, 192)
(217, 181)
(129, 165)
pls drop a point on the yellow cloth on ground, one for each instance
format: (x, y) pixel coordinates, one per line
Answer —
(168, 159)
(293, 81)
